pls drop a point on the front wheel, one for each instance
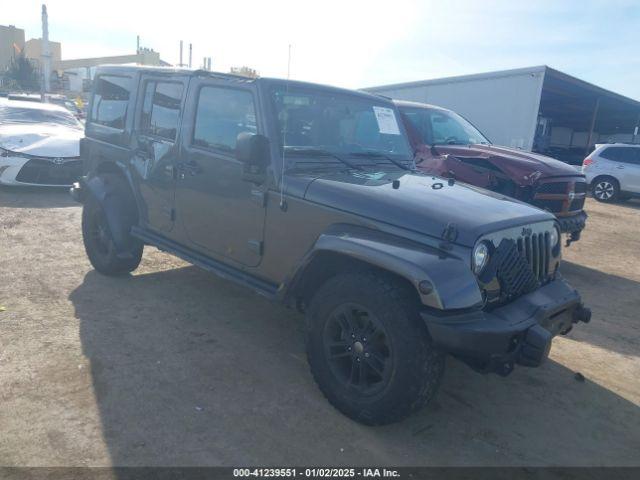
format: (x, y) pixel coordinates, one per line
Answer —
(368, 350)
(99, 245)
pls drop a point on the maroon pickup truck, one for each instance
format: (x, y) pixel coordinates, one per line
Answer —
(447, 145)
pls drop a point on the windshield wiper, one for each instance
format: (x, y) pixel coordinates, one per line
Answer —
(376, 154)
(319, 152)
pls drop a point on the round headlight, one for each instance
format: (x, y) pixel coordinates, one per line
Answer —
(554, 237)
(480, 257)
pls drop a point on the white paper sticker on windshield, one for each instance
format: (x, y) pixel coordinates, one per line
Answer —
(386, 121)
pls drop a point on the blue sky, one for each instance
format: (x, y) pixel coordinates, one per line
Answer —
(357, 44)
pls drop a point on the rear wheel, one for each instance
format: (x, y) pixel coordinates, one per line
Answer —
(368, 349)
(99, 244)
(605, 189)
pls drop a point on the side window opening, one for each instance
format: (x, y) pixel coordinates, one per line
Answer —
(222, 114)
(610, 153)
(161, 109)
(110, 101)
(622, 154)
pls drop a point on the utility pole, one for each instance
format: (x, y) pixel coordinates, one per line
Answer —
(138, 44)
(45, 55)
(180, 64)
(190, 52)
(594, 116)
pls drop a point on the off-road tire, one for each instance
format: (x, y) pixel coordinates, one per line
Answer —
(417, 367)
(102, 254)
(605, 189)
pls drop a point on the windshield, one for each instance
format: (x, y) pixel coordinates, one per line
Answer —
(13, 114)
(442, 127)
(356, 129)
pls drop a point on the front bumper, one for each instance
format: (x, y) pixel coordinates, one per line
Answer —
(519, 332)
(573, 224)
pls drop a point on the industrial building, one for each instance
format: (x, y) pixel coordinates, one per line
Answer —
(78, 73)
(69, 75)
(11, 44)
(33, 50)
(536, 109)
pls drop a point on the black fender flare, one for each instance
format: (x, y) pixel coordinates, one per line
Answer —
(449, 282)
(116, 199)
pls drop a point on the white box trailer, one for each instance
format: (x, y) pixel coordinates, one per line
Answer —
(536, 109)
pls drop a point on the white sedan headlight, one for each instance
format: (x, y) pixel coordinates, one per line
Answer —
(480, 257)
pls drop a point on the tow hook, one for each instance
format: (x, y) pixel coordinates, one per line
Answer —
(582, 314)
(572, 237)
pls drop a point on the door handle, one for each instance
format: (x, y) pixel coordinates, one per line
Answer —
(621, 167)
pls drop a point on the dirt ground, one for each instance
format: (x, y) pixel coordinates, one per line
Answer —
(172, 366)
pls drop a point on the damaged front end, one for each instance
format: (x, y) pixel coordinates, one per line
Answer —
(526, 303)
(565, 198)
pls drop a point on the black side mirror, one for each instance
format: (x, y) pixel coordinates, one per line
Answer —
(253, 151)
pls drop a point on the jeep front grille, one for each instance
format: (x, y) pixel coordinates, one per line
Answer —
(522, 264)
(513, 271)
(536, 250)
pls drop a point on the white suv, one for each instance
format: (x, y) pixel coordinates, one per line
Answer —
(613, 171)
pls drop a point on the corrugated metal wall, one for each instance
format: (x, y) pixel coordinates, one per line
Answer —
(503, 107)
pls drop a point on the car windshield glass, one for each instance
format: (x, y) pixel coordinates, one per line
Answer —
(11, 114)
(442, 127)
(340, 124)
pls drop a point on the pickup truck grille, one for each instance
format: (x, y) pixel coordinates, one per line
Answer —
(561, 196)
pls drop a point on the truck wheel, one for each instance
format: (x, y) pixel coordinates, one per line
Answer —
(605, 189)
(368, 349)
(99, 245)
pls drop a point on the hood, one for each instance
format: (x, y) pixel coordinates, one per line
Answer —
(421, 203)
(41, 140)
(525, 168)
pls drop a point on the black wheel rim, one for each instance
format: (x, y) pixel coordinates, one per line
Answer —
(604, 190)
(100, 234)
(357, 349)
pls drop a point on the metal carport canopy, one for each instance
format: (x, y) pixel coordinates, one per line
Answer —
(582, 106)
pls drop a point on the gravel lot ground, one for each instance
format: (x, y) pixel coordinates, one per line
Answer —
(172, 366)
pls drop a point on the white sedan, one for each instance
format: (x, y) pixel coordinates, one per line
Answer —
(39, 144)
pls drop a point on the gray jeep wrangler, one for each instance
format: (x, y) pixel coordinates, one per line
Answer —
(308, 195)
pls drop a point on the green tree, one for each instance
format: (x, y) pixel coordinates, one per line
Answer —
(23, 74)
